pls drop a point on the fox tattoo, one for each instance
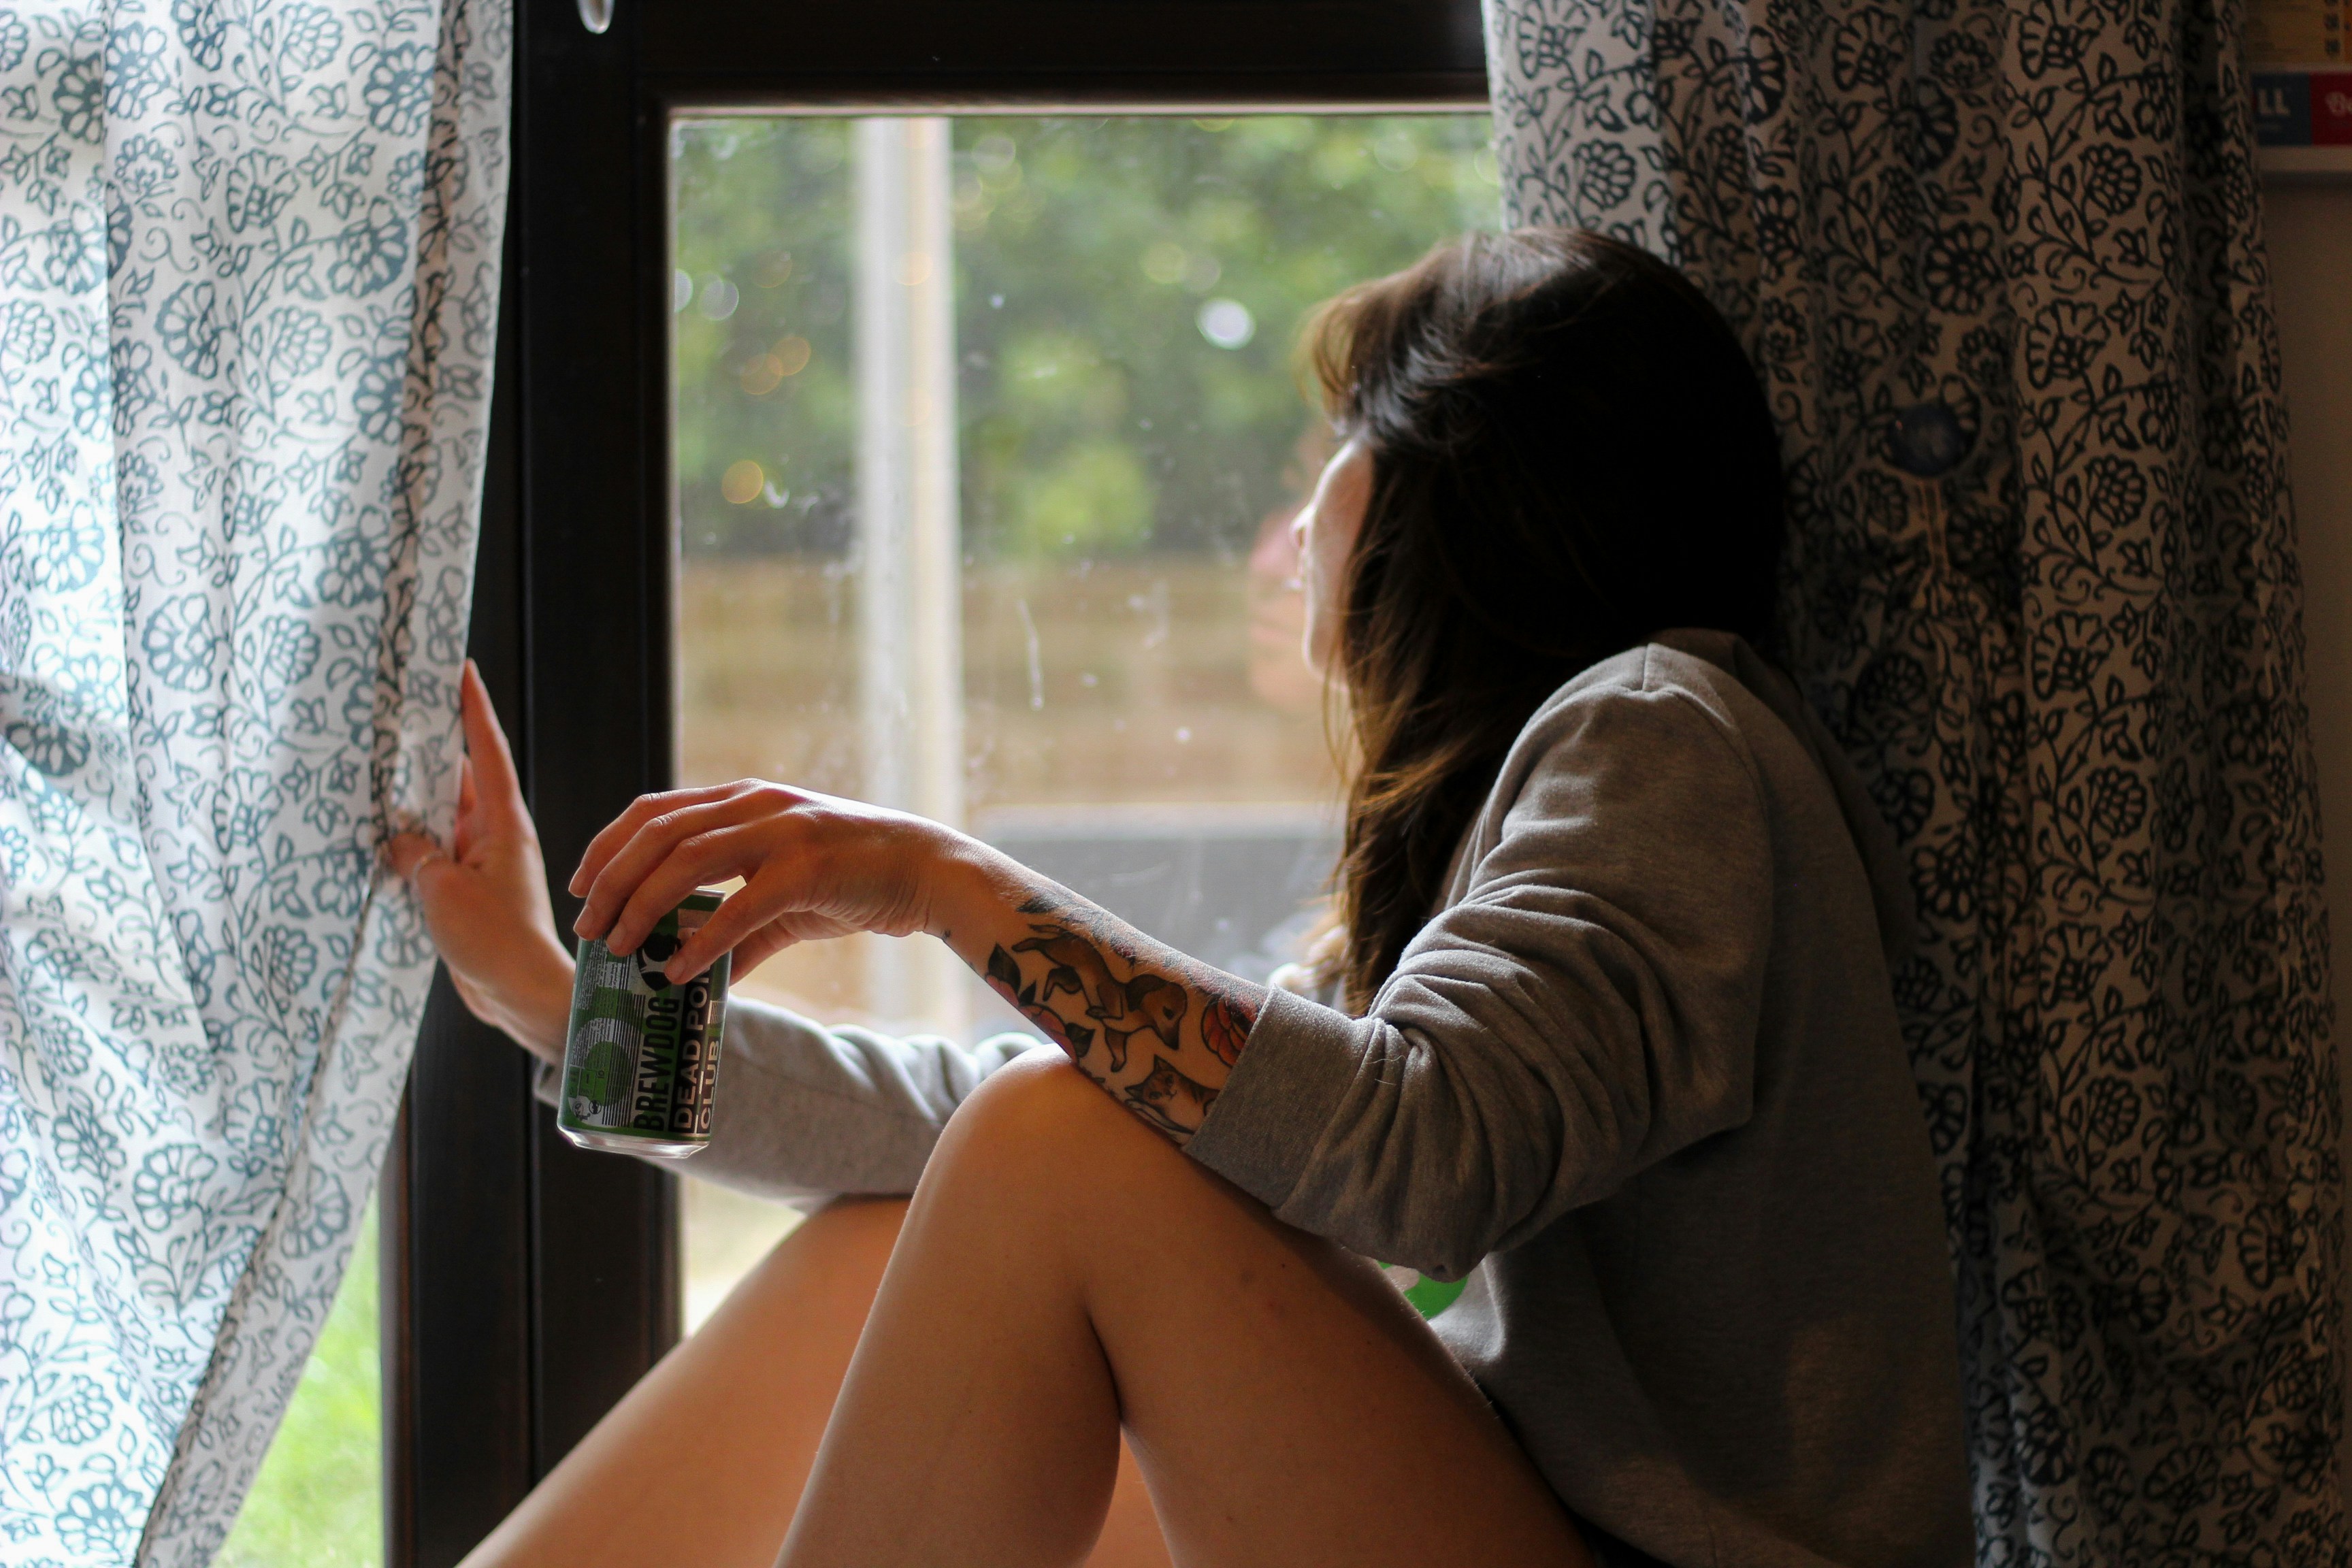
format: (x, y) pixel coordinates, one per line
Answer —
(1081, 1001)
(1169, 1100)
(1121, 1008)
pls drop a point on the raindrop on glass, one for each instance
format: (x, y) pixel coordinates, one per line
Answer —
(1227, 323)
(742, 483)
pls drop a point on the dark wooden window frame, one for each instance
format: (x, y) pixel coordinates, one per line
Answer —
(527, 1284)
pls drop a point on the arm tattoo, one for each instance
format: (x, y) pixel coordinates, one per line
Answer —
(1160, 1032)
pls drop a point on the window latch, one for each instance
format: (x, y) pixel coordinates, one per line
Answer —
(595, 15)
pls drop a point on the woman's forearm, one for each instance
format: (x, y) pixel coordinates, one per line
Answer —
(1158, 1031)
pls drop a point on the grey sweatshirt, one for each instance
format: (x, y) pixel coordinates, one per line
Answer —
(1640, 1077)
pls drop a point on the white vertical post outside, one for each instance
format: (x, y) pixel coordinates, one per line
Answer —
(911, 620)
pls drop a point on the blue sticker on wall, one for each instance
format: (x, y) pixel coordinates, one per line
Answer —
(2282, 109)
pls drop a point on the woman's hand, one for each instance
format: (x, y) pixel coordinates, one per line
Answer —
(813, 867)
(1160, 1032)
(485, 897)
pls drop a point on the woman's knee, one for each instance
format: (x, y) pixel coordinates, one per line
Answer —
(1037, 1102)
(854, 1216)
(1039, 1119)
(823, 1272)
(849, 1233)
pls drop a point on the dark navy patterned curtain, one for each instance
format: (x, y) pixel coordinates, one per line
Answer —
(2000, 264)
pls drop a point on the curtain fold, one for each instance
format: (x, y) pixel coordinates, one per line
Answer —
(248, 284)
(1999, 266)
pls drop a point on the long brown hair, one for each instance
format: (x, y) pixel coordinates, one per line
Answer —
(1569, 453)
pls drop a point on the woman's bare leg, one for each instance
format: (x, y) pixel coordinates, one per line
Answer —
(705, 1459)
(1063, 1270)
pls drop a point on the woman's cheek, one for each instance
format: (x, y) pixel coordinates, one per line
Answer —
(1320, 576)
(1318, 650)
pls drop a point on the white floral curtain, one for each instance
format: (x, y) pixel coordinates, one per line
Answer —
(248, 278)
(2000, 265)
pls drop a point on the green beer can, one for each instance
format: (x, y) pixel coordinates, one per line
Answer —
(642, 1060)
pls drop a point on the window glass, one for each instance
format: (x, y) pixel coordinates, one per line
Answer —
(319, 1500)
(987, 434)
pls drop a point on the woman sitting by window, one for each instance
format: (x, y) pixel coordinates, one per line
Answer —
(1609, 1033)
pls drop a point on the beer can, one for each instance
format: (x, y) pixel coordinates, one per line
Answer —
(641, 1062)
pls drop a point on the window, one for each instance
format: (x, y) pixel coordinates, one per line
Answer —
(319, 1500)
(986, 435)
(528, 1284)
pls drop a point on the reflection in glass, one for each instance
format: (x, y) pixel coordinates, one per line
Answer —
(987, 434)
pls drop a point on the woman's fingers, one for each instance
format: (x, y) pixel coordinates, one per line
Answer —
(404, 852)
(670, 857)
(605, 897)
(497, 790)
(749, 915)
(615, 837)
(706, 857)
(760, 946)
(621, 833)
(645, 835)
(469, 831)
(427, 868)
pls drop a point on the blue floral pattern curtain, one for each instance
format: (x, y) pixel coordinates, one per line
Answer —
(248, 278)
(2000, 265)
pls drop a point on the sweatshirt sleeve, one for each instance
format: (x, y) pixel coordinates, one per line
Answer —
(804, 1113)
(1587, 1008)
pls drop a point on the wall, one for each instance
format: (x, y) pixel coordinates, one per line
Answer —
(2311, 265)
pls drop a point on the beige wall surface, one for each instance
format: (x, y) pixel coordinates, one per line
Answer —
(2311, 267)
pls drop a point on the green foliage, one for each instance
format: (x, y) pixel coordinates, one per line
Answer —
(764, 207)
(1086, 500)
(319, 1500)
(1097, 414)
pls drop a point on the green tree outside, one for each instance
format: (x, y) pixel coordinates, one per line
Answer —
(1129, 296)
(319, 1500)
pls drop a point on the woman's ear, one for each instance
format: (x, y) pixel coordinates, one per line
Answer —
(1328, 527)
